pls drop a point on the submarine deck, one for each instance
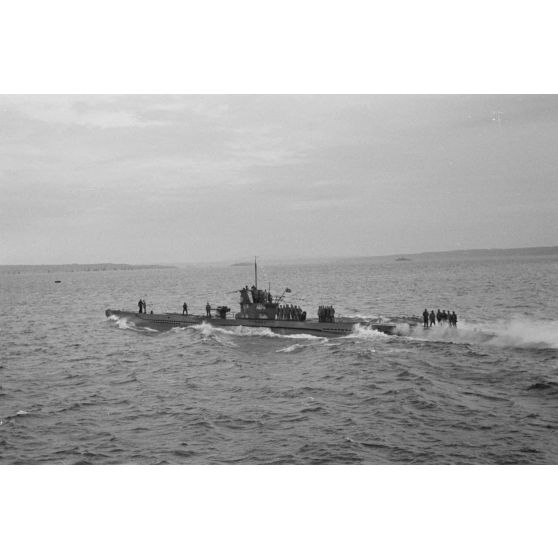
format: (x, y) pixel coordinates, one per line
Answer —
(341, 326)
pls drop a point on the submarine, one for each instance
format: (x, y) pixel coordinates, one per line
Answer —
(259, 309)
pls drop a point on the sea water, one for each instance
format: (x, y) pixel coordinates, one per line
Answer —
(76, 387)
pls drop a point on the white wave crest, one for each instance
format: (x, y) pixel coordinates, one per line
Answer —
(291, 348)
(361, 331)
(244, 331)
(528, 333)
(124, 323)
(519, 332)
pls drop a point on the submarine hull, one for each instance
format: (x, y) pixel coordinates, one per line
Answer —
(287, 327)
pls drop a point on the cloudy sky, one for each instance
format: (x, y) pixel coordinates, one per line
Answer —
(193, 178)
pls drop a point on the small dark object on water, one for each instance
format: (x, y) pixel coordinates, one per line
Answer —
(58, 281)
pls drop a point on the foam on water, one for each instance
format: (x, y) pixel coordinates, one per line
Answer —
(525, 333)
(366, 332)
(291, 348)
(124, 323)
(519, 332)
(403, 330)
(243, 331)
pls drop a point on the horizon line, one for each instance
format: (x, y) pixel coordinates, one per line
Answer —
(293, 258)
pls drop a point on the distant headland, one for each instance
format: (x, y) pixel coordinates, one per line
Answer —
(485, 252)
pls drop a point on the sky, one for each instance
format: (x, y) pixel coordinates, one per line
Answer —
(202, 178)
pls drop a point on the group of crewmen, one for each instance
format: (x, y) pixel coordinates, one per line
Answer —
(441, 316)
(326, 314)
(290, 312)
(258, 296)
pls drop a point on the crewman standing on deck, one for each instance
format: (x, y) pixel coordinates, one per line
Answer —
(208, 309)
(185, 309)
(432, 318)
(425, 318)
(453, 319)
(140, 305)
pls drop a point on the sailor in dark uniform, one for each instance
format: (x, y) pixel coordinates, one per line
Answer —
(185, 309)
(453, 319)
(425, 318)
(140, 305)
(432, 318)
(208, 310)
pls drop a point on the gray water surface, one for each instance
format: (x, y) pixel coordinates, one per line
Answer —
(76, 387)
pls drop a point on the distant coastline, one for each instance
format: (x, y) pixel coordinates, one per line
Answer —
(472, 254)
(59, 268)
(533, 251)
(538, 251)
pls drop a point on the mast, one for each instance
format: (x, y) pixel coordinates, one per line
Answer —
(256, 270)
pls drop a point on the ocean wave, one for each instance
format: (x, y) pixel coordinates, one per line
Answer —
(546, 387)
(10, 418)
